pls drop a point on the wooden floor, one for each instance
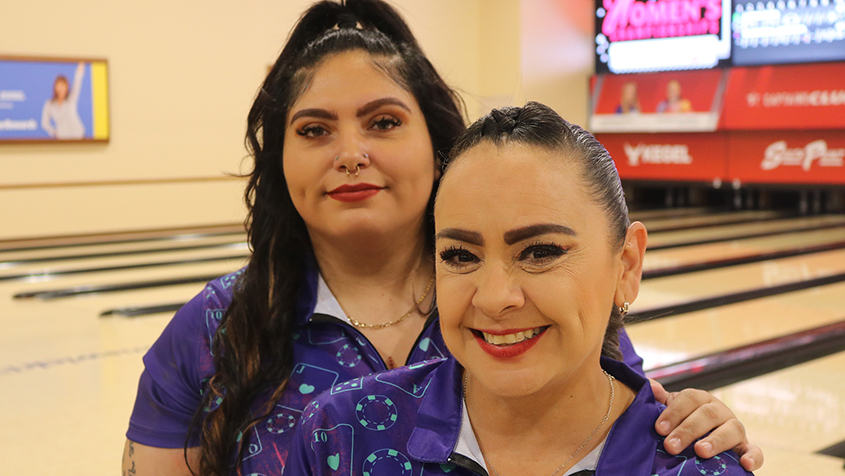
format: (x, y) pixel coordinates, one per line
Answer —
(68, 376)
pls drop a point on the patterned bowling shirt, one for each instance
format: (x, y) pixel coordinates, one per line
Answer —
(328, 351)
(411, 422)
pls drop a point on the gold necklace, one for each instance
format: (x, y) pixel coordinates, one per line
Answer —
(603, 421)
(362, 325)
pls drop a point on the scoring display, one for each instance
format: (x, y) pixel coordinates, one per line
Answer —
(788, 31)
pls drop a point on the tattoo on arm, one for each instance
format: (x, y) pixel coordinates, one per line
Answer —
(131, 451)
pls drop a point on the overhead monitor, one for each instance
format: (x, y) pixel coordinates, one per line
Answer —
(788, 31)
(635, 36)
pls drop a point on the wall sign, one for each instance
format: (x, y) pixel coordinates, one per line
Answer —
(53, 99)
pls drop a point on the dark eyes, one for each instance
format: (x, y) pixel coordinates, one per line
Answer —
(312, 130)
(458, 256)
(385, 123)
(541, 252)
(538, 254)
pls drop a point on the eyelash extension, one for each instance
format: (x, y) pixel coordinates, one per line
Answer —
(388, 120)
(452, 252)
(547, 245)
(305, 130)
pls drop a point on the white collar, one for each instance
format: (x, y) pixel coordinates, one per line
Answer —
(467, 446)
(326, 302)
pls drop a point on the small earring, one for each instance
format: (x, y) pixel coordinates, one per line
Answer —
(623, 309)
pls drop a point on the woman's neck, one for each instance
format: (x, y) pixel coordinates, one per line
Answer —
(537, 433)
(364, 262)
(378, 280)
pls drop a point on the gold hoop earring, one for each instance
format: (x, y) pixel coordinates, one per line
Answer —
(623, 309)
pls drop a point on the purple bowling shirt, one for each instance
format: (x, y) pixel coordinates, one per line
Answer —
(411, 422)
(328, 351)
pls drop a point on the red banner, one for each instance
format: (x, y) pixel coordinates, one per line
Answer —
(787, 157)
(679, 91)
(670, 157)
(786, 97)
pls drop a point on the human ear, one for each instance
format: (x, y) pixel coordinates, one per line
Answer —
(631, 257)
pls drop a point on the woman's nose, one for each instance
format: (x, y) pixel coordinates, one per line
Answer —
(351, 157)
(353, 163)
(497, 292)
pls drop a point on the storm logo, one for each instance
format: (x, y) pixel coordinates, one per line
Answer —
(778, 154)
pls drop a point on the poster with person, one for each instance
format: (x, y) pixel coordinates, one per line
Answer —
(53, 99)
(673, 101)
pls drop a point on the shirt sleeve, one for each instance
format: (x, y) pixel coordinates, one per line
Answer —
(629, 355)
(170, 390)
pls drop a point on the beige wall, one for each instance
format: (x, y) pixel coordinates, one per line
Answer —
(557, 54)
(182, 77)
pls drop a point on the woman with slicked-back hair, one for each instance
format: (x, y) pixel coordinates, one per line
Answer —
(347, 134)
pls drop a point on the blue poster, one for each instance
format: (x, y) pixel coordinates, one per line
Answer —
(53, 100)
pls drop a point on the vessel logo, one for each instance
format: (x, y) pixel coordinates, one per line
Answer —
(658, 154)
(778, 154)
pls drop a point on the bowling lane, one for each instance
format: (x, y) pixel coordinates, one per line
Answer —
(13, 259)
(65, 372)
(668, 213)
(800, 409)
(217, 268)
(668, 238)
(671, 257)
(685, 336)
(45, 269)
(657, 224)
(682, 288)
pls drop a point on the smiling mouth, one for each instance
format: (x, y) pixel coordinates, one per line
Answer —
(504, 340)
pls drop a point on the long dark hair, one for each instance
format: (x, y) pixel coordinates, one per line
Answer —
(253, 348)
(538, 125)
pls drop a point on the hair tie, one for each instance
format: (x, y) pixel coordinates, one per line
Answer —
(347, 21)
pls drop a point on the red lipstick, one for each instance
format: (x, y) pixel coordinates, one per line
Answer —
(354, 193)
(510, 350)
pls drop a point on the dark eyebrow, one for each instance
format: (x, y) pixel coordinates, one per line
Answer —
(471, 237)
(373, 105)
(316, 113)
(519, 234)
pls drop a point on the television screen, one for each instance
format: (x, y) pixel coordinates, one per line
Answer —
(661, 35)
(788, 31)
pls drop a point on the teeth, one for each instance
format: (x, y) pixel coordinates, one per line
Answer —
(511, 338)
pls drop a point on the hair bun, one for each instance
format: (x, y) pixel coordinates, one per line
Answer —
(347, 20)
(500, 121)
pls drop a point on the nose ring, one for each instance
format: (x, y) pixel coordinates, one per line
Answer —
(336, 157)
(357, 170)
(366, 156)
